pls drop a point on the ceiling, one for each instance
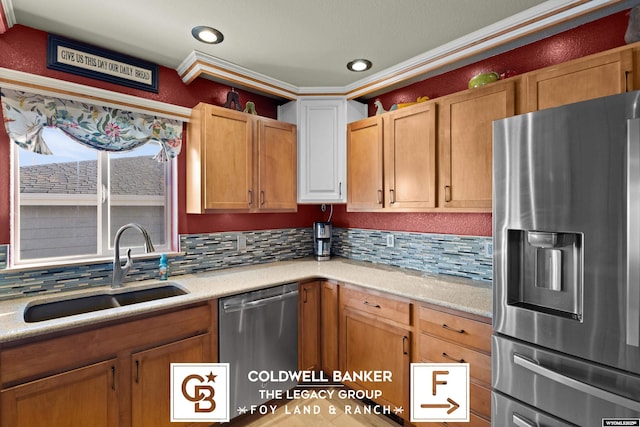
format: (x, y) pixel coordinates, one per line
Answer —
(298, 45)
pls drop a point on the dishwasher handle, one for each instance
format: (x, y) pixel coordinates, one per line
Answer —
(230, 308)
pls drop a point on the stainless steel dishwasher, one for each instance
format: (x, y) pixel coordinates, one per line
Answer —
(258, 331)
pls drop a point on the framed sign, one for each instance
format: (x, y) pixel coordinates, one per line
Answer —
(90, 61)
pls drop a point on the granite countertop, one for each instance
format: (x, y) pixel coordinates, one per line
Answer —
(462, 294)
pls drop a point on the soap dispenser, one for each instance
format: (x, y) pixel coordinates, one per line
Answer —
(163, 269)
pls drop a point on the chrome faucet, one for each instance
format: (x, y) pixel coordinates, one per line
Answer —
(119, 270)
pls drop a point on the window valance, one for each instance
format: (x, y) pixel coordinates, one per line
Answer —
(99, 127)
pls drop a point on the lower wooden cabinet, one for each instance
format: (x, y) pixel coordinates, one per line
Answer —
(370, 345)
(374, 338)
(449, 337)
(309, 295)
(104, 376)
(86, 396)
(329, 321)
(151, 379)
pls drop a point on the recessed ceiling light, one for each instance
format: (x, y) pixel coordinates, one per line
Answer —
(207, 34)
(359, 65)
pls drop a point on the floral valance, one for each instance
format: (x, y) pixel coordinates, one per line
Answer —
(99, 127)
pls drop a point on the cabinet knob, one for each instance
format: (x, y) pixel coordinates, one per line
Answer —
(379, 197)
(392, 195)
(262, 198)
(250, 197)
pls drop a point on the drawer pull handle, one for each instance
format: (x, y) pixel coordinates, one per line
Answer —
(405, 341)
(137, 372)
(445, 326)
(446, 356)
(372, 305)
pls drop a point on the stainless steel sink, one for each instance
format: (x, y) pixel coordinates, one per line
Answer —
(69, 307)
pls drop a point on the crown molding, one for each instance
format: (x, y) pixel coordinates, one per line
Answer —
(538, 19)
(19, 80)
(198, 64)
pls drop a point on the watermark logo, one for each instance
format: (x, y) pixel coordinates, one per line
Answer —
(199, 392)
(620, 422)
(439, 392)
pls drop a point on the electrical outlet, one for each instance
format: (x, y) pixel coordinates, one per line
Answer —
(391, 241)
(488, 248)
(242, 242)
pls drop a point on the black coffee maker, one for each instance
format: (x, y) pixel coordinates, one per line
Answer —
(322, 232)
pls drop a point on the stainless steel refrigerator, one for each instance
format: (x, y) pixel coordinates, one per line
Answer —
(566, 223)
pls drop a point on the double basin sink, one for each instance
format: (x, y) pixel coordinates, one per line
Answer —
(69, 307)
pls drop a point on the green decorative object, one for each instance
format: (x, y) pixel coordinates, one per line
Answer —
(250, 108)
(483, 78)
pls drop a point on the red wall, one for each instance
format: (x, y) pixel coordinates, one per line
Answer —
(24, 49)
(586, 39)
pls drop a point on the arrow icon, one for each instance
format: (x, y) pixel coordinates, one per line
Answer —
(452, 405)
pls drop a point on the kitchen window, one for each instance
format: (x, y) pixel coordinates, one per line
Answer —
(82, 171)
(70, 205)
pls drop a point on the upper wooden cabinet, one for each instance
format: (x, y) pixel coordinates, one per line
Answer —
(392, 160)
(239, 162)
(364, 164)
(594, 76)
(466, 136)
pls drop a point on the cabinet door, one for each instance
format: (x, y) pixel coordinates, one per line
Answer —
(322, 151)
(82, 397)
(227, 163)
(309, 327)
(277, 166)
(466, 148)
(371, 345)
(151, 379)
(410, 157)
(364, 165)
(329, 327)
(580, 80)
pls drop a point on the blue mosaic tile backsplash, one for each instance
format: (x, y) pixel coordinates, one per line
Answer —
(463, 256)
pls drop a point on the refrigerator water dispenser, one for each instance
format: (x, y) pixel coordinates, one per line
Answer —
(545, 272)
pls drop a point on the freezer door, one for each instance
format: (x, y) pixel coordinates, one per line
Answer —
(566, 229)
(508, 412)
(567, 388)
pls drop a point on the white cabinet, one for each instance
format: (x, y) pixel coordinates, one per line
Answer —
(322, 123)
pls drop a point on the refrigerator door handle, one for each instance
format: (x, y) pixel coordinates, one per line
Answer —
(580, 386)
(520, 421)
(633, 232)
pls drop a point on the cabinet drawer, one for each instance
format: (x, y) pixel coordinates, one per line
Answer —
(480, 399)
(474, 421)
(461, 330)
(381, 306)
(440, 351)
